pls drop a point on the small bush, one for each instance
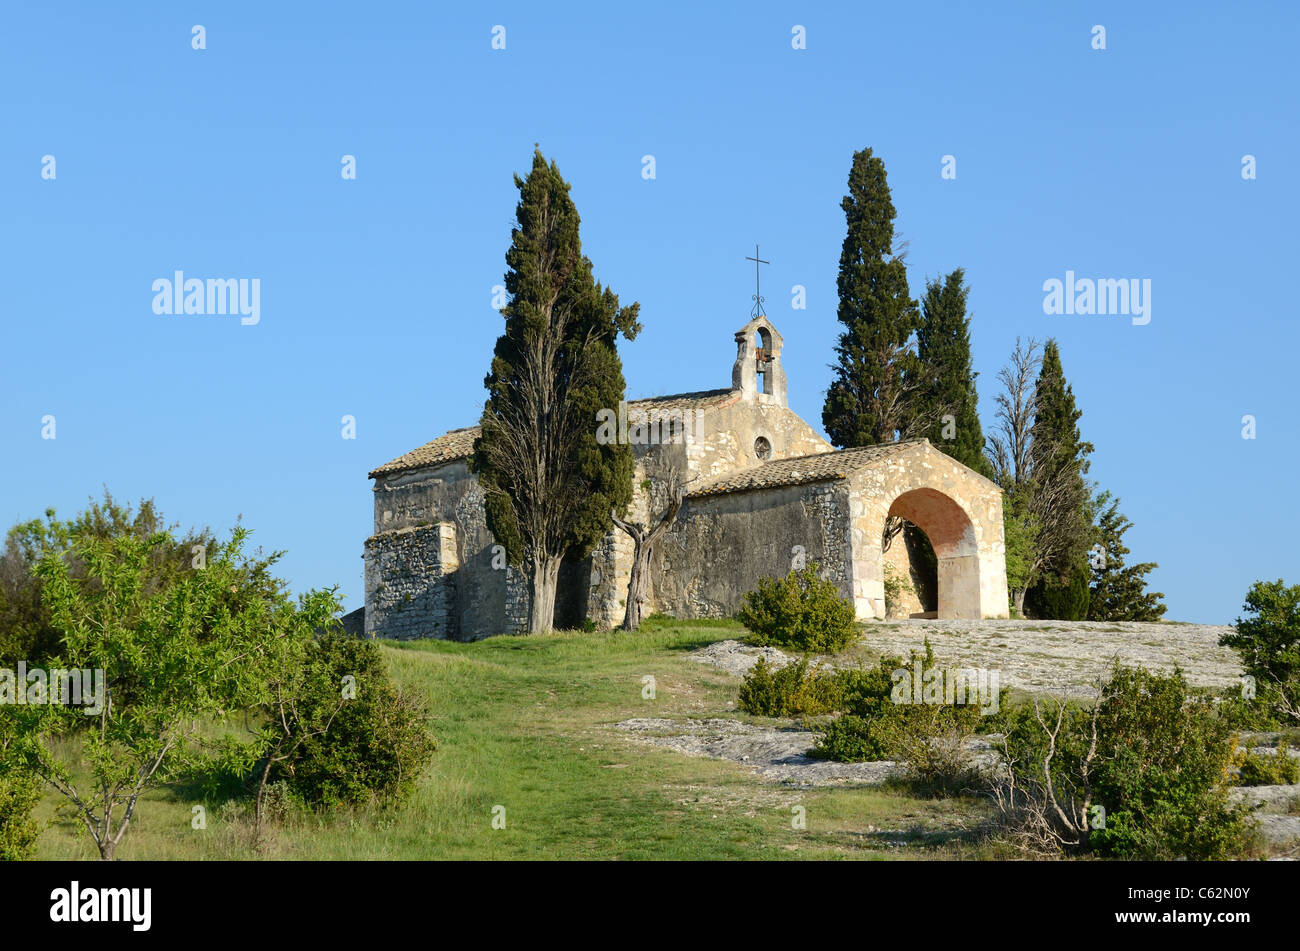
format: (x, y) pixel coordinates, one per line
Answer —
(1060, 598)
(853, 739)
(791, 691)
(1245, 714)
(20, 791)
(1258, 769)
(862, 733)
(932, 747)
(928, 738)
(1160, 777)
(376, 745)
(281, 802)
(895, 587)
(802, 611)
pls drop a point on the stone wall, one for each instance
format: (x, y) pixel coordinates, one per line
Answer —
(726, 442)
(722, 441)
(490, 596)
(410, 590)
(722, 545)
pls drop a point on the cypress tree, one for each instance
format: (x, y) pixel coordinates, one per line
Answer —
(1119, 591)
(1059, 456)
(1056, 442)
(943, 352)
(549, 484)
(867, 401)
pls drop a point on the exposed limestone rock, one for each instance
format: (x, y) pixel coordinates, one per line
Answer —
(1040, 656)
(776, 754)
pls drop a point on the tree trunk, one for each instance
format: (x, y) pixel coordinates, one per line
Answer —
(261, 793)
(546, 574)
(103, 833)
(1019, 595)
(643, 544)
(638, 585)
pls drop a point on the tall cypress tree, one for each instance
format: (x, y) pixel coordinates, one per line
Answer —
(943, 352)
(1056, 441)
(1059, 456)
(549, 484)
(867, 402)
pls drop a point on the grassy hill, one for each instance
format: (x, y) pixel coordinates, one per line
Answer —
(526, 723)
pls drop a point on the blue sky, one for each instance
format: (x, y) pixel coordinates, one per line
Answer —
(376, 293)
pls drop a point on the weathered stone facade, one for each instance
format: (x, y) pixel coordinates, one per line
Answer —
(484, 593)
(765, 493)
(720, 546)
(409, 581)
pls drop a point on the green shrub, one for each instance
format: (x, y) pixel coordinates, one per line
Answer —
(1060, 599)
(1141, 776)
(862, 733)
(852, 739)
(801, 611)
(791, 691)
(19, 794)
(1161, 773)
(928, 738)
(376, 745)
(1268, 642)
(895, 587)
(1258, 769)
(865, 690)
(1246, 714)
(930, 741)
(281, 802)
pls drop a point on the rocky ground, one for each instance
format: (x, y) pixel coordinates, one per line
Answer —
(1038, 656)
(775, 754)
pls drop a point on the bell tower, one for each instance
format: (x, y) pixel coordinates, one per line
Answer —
(757, 373)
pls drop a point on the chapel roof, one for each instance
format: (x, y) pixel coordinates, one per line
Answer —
(459, 443)
(801, 470)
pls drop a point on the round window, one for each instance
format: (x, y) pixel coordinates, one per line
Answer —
(762, 448)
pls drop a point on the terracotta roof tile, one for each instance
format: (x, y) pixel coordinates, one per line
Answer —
(459, 443)
(800, 470)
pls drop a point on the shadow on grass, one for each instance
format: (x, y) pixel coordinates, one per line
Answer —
(211, 782)
(915, 836)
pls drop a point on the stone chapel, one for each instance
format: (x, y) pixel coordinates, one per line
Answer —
(764, 493)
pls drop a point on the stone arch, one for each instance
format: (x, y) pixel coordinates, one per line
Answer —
(958, 510)
(952, 536)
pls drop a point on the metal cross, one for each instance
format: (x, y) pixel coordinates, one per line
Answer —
(758, 295)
